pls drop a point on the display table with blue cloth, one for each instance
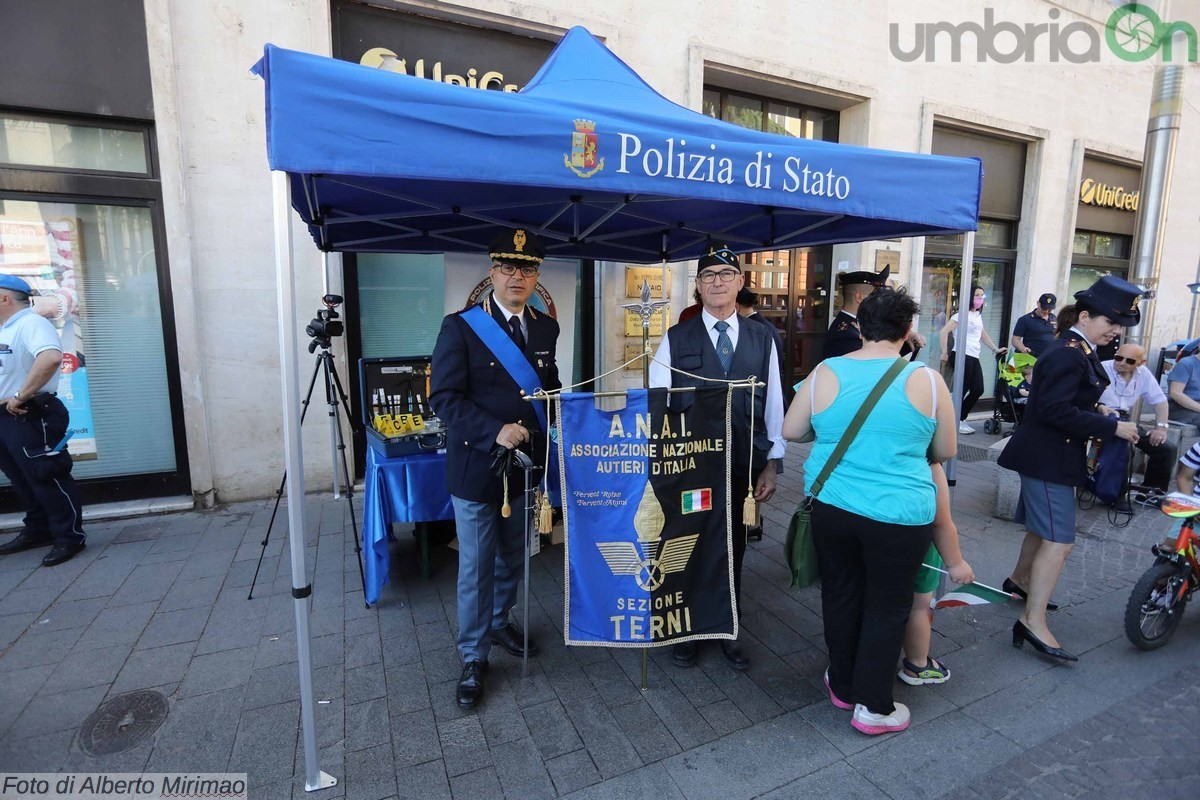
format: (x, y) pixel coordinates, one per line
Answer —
(404, 489)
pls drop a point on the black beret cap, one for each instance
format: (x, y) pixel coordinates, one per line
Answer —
(520, 247)
(1047, 300)
(718, 255)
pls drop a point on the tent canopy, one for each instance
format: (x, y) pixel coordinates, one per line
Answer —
(587, 155)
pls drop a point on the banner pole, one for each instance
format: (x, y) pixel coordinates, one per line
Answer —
(646, 385)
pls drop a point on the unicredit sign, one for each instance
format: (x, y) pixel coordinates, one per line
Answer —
(1092, 193)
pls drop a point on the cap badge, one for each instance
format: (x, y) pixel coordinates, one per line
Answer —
(519, 240)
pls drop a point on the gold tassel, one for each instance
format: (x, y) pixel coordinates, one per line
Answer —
(750, 512)
(505, 508)
(545, 514)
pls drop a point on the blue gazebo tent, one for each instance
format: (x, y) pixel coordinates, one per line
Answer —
(588, 156)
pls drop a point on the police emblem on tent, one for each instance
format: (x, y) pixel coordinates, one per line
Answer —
(585, 144)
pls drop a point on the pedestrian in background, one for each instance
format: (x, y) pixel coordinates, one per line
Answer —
(972, 371)
(33, 429)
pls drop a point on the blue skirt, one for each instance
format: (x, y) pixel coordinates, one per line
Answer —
(1047, 509)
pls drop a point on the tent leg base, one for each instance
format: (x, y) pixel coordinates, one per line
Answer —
(324, 781)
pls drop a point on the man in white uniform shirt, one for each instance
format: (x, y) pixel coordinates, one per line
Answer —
(33, 428)
(1129, 381)
(718, 345)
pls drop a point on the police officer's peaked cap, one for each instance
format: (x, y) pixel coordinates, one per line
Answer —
(718, 255)
(14, 284)
(1047, 301)
(520, 247)
(1113, 297)
(876, 279)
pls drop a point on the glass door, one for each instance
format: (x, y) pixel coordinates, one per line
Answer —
(793, 290)
(939, 301)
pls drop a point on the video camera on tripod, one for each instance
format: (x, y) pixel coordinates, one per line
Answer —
(326, 324)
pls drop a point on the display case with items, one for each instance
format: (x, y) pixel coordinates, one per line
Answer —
(395, 398)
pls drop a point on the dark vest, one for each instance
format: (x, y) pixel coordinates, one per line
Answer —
(692, 350)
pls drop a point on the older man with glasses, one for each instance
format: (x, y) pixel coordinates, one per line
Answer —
(1130, 381)
(717, 345)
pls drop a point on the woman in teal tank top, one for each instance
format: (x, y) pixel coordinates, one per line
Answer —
(872, 520)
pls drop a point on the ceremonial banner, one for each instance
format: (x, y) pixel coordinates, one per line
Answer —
(647, 519)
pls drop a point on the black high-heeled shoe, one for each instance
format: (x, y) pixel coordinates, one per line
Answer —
(1021, 634)
(1012, 588)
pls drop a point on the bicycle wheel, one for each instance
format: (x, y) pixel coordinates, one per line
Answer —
(1156, 605)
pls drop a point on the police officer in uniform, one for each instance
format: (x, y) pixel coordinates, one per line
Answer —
(481, 403)
(718, 344)
(33, 423)
(843, 335)
(1035, 331)
(1048, 449)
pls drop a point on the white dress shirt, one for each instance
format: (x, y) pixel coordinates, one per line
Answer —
(660, 377)
(1122, 394)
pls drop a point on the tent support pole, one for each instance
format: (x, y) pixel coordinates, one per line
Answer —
(960, 340)
(289, 370)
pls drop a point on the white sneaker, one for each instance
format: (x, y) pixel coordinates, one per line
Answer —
(965, 428)
(873, 724)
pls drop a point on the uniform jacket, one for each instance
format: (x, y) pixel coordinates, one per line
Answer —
(692, 350)
(1051, 442)
(843, 336)
(475, 396)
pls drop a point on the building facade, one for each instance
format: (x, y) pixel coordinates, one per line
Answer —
(134, 187)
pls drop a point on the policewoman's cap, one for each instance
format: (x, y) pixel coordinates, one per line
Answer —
(718, 255)
(15, 284)
(520, 247)
(876, 279)
(1047, 301)
(1113, 297)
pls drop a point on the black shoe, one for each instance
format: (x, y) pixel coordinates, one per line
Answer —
(1021, 634)
(684, 654)
(25, 540)
(734, 655)
(1012, 588)
(754, 534)
(511, 639)
(62, 552)
(470, 683)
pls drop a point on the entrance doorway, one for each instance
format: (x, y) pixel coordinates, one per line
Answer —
(793, 288)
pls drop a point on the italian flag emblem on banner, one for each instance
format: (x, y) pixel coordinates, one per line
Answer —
(696, 500)
(972, 594)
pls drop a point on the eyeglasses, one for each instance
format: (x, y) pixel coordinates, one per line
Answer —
(512, 269)
(1132, 361)
(726, 275)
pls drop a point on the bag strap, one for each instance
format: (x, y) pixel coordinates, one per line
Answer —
(855, 424)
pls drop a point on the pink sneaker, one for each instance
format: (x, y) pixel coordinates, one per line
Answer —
(833, 697)
(873, 724)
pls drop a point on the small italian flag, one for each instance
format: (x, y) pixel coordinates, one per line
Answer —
(696, 500)
(972, 594)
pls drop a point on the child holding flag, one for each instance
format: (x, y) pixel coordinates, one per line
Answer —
(918, 667)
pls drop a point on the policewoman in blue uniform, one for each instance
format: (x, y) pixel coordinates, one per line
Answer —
(1048, 449)
(485, 359)
(843, 336)
(33, 424)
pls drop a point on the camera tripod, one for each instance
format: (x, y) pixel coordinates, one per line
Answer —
(336, 400)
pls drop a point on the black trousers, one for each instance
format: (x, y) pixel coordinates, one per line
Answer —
(867, 574)
(1160, 460)
(42, 483)
(972, 385)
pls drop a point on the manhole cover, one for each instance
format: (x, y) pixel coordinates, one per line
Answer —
(970, 452)
(122, 722)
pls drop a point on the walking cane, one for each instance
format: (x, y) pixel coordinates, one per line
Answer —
(526, 464)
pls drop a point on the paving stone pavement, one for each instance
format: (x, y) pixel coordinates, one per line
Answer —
(161, 603)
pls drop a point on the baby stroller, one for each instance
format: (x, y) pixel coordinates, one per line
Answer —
(1008, 406)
